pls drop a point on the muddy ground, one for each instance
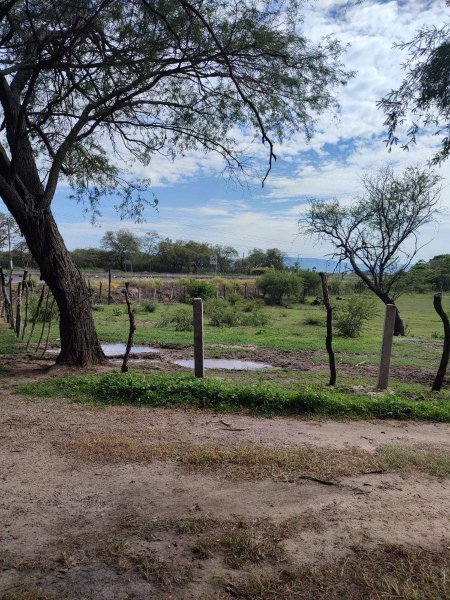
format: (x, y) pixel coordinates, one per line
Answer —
(82, 518)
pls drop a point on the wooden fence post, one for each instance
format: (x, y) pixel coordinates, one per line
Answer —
(197, 303)
(36, 315)
(27, 300)
(11, 303)
(19, 309)
(132, 329)
(386, 348)
(329, 337)
(109, 287)
(439, 379)
(7, 303)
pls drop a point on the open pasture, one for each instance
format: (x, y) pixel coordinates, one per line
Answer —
(156, 485)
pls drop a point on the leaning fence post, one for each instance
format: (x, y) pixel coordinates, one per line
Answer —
(19, 309)
(198, 337)
(329, 337)
(439, 380)
(386, 348)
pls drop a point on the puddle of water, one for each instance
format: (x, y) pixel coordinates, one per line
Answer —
(225, 363)
(119, 361)
(118, 349)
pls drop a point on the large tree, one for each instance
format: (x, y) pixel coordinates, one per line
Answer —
(87, 83)
(423, 96)
(377, 232)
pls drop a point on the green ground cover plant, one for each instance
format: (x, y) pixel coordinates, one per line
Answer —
(265, 399)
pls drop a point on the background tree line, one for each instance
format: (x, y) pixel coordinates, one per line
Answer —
(124, 250)
(153, 253)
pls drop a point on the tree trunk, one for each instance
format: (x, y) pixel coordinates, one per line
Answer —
(399, 327)
(79, 342)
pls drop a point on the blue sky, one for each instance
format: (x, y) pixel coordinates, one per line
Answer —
(196, 202)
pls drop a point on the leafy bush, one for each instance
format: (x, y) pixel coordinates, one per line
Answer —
(276, 285)
(117, 312)
(98, 307)
(248, 306)
(150, 306)
(257, 318)
(234, 298)
(183, 320)
(313, 321)
(351, 316)
(221, 314)
(165, 320)
(199, 288)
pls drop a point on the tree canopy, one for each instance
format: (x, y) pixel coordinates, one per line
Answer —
(88, 85)
(424, 93)
(377, 233)
(81, 78)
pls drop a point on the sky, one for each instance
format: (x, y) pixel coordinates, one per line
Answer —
(195, 201)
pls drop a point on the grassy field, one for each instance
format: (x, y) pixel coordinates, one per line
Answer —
(288, 342)
(159, 485)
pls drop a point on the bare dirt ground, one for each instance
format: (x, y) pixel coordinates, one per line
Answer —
(103, 504)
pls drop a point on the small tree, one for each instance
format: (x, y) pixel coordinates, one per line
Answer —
(9, 232)
(149, 245)
(371, 233)
(276, 285)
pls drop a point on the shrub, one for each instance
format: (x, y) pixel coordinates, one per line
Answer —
(165, 320)
(276, 285)
(198, 288)
(234, 298)
(248, 306)
(149, 306)
(183, 320)
(313, 321)
(257, 318)
(222, 314)
(351, 316)
(117, 311)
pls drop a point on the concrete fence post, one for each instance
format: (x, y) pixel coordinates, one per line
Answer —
(197, 304)
(386, 348)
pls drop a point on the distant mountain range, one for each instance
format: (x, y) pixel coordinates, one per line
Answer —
(318, 264)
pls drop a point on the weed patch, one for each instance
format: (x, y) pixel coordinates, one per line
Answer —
(434, 461)
(388, 571)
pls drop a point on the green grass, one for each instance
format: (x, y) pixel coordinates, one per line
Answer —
(262, 398)
(287, 330)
